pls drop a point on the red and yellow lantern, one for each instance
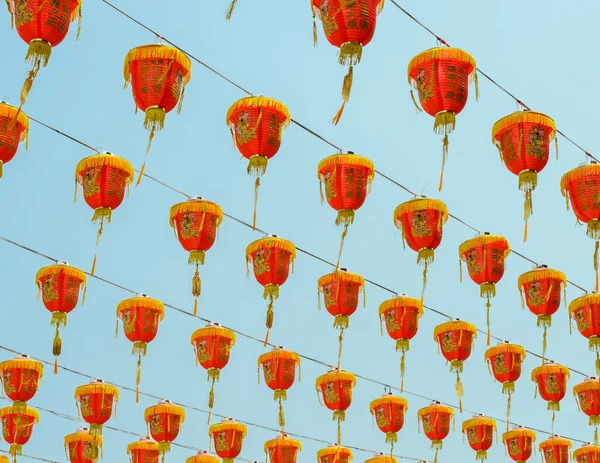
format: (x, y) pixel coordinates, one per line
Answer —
(421, 221)
(164, 421)
(282, 449)
(21, 378)
(551, 381)
(436, 419)
(480, 432)
(485, 258)
(141, 316)
(585, 310)
(17, 428)
(14, 129)
(144, 450)
(228, 437)
(336, 388)
(587, 453)
(203, 457)
(555, 450)
(83, 446)
(196, 223)
(389, 412)
(104, 178)
(519, 443)
(212, 346)
(95, 403)
(256, 124)
(401, 315)
(382, 458)
(59, 285)
(271, 258)
(455, 340)
(441, 77)
(587, 395)
(335, 454)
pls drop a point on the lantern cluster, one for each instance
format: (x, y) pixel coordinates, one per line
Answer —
(335, 388)
(14, 129)
(389, 412)
(227, 438)
(435, 420)
(21, 379)
(95, 403)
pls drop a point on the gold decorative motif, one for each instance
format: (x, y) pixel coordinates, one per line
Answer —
(534, 293)
(425, 89)
(261, 261)
(583, 401)
(390, 321)
(330, 395)
(427, 426)
(418, 222)
(243, 130)
(500, 365)
(201, 351)
(221, 443)
(327, 296)
(535, 145)
(187, 227)
(156, 426)
(471, 261)
(90, 181)
(49, 294)
(472, 436)
(269, 374)
(23, 14)
(513, 447)
(551, 384)
(448, 344)
(381, 418)
(508, 148)
(583, 323)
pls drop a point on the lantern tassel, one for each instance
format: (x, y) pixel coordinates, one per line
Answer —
(230, 10)
(444, 156)
(488, 305)
(412, 97)
(340, 342)
(435, 456)
(508, 401)
(196, 288)
(596, 436)
(281, 416)
(315, 37)
(256, 187)
(459, 391)
(556, 145)
(424, 258)
(56, 348)
(402, 370)
(346, 89)
(544, 343)
(339, 415)
(476, 80)
(211, 397)
(528, 210)
(597, 363)
(344, 233)
(269, 320)
(596, 264)
(138, 377)
(180, 104)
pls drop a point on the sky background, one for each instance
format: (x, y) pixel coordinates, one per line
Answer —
(540, 51)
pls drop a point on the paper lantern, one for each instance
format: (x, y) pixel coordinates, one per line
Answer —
(555, 450)
(585, 310)
(282, 449)
(335, 454)
(203, 457)
(164, 422)
(551, 381)
(14, 128)
(21, 378)
(587, 395)
(435, 419)
(228, 437)
(519, 443)
(144, 450)
(587, 453)
(336, 388)
(480, 432)
(17, 428)
(83, 446)
(389, 412)
(95, 403)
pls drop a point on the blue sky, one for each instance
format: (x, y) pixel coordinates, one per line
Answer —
(541, 52)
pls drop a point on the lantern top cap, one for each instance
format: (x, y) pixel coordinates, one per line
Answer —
(212, 330)
(519, 432)
(504, 348)
(51, 270)
(145, 302)
(541, 273)
(158, 51)
(228, 424)
(279, 354)
(260, 102)
(282, 440)
(99, 160)
(335, 375)
(435, 407)
(522, 117)
(29, 412)
(164, 408)
(455, 325)
(478, 420)
(269, 243)
(348, 159)
(549, 367)
(24, 362)
(389, 399)
(578, 173)
(339, 277)
(401, 302)
(417, 204)
(442, 53)
(335, 449)
(82, 435)
(589, 384)
(316, 7)
(555, 440)
(8, 111)
(484, 240)
(96, 387)
(197, 205)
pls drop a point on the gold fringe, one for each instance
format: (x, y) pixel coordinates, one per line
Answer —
(12, 113)
(445, 122)
(483, 240)
(345, 217)
(144, 302)
(261, 102)
(521, 117)
(271, 243)
(391, 400)
(505, 348)
(412, 97)
(420, 204)
(164, 409)
(315, 37)
(454, 325)
(555, 441)
(97, 388)
(549, 368)
(228, 426)
(212, 331)
(279, 354)
(100, 160)
(157, 51)
(38, 54)
(439, 53)
(282, 441)
(348, 159)
(143, 444)
(60, 268)
(401, 302)
(29, 413)
(350, 54)
(437, 409)
(334, 376)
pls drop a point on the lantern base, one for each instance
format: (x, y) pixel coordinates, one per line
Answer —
(339, 415)
(437, 444)
(481, 455)
(341, 321)
(402, 345)
(594, 420)
(554, 406)
(456, 365)
(102, 215)
(257, 165)
(425, 256)
(38, 53)
(350, 53)
(528, 180)
(544, 321)
(164, 447)
(139, 348)
(19, 406)
(196, 257)
(271, 291)
(228, 460)
(487, 290)
(593, 229)
(96, 429)
(445, 122)
(58, 319)
(594, 343)
(155, 118)
(280, 394)
(508, 387)
(391, 438)
(214, 374)
(345, 217)
(15, 449)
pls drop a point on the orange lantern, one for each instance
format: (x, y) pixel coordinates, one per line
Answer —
(505, 361)
(256, 124)
(401, 315)
(441, 77)
(17, 428)
(551, 381)
(485, 258)
(279, 369)
(203, 457)
(542, 288)
(336, 388)
(144, 450)
(555, 450)
(436, 424)
(585, 310)
(271, 258)
(282, 449)
(164, 422)
(519, 443)
(141, 316)
(421, 221)
(95, 403)
(587, 453)
(587, 395)
(335, 454)
(228, 437)
(158, 75)
(381, 458)
(21, 378)
(104, 178)
(523, 139)
(389, 412)
(212, 346)
(14, 128)
(480, 432)
(196, 223)
(59, 286)
(82, 446)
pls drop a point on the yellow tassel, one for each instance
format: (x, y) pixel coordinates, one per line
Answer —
(98, 235)
(444, 156)
(460, 268)
(269, 322)
(180, 104)
(230, 10)
(402, 370)
(138, 377)
(340, 341)
(597, 363)
(412, 97)
(196, 289)
(338, 115)
(256, 187)
(281, 416)
(211, 397)
(435, 456)
(556, 145)
(596, 263)
(56, 348)
(544, 344)
(347, 85)
(459, 391)
(344, 233)
(508, 410)
(476, 80)
(487, 310)
(79, 21)
(315, 38)
(117, 329)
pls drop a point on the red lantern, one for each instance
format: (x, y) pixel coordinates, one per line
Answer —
(551, 380)
(401, 315)
(485, 258)
(381, 458)
(17, 428)
(82, 446)
(585, 310)
(158, 75)
(336, 388)
(480, 432)
(59, 286)
(555, 449)
(203, 457)
(21, 378)
(256, 124)
(103, 178)
(14, 128)
(519, 444)
(389, 412)
(144, 450)
(279, 369)
(335, 454)
(421, 221)
(141, 316)
(228, 437)
(441, 77)
(196, 223)
(164, 422)
(587, 453)
(348, 25)
(587, 395)
(456, 340)
(271, 258)
(505, 361)
(212, 345)
(95, 403)
(436, 424)
(282, 449)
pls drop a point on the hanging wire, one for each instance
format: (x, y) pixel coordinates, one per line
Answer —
(6, 452)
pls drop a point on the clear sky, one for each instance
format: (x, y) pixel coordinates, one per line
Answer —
(541, 51)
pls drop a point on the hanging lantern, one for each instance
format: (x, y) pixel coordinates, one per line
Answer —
(164, 422)
(228, 437)
(83, 446)
(542, 288)
(505, 361)
(436, 424)
(485, 258)
(11, 133)
(17, 428)
(421, 221)
(256, 124)
(587, 395)
(523, 139)
(203, 457)
(381, 458)
(389, 412)
(282, 449)
(144, 450)
(335, 454)
(59, 286)
(519, 443)
(551, 381)
(349, 26)
(441, 77)
(587, 453)
(158, 75)
(401, 315)
(21, 378)
(103, 178)
(336, 388)
(480, 432)
(555, 450)
(95, 403)
(585, 310)
(279, 369)
(141, 316)
(212, 346)
(196, 223)
(271, 258)
(341, 292)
